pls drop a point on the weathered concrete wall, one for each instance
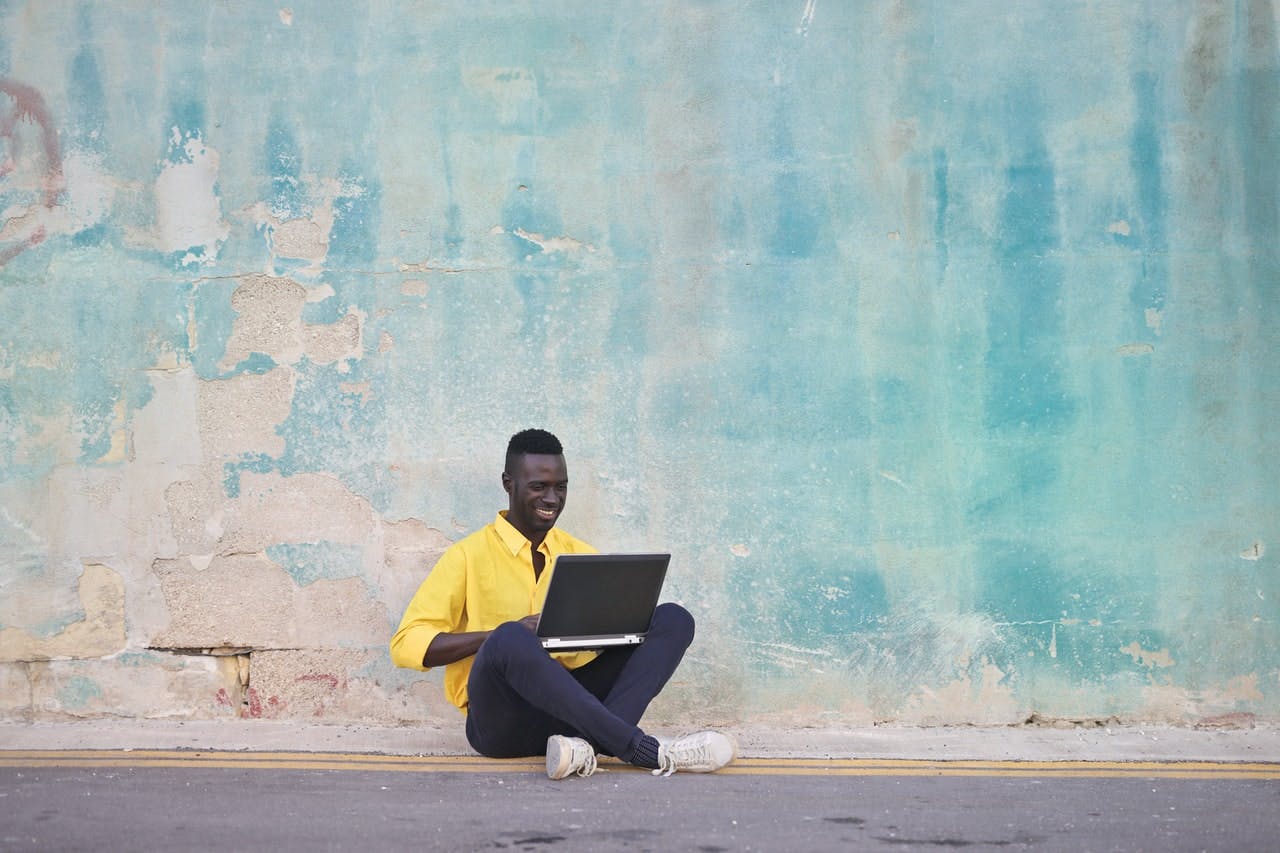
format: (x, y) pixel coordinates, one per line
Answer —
(938, 342)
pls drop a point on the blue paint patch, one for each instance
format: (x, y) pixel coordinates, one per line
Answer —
(255, 363)
(309, 562)
(187, 118)
(834, 600)
(78, 692)
(87, 103)
(795, 231)
(256, 463)
(92, 236)
(941, 209)
(338, 430)
(102, 340)
(1021, 584)
(1024, 362)
(353, 239)
(1070, 619)
(215, 319)
(1147, 162)
(133, 660)
(454, 236)
(284, 168)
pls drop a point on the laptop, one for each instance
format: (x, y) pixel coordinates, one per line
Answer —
(600, 600)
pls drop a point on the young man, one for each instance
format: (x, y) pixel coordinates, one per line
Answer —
(476, 613)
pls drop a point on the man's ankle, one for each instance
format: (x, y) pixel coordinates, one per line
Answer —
(645, 754)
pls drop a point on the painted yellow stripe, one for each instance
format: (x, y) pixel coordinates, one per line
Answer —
(744, 766)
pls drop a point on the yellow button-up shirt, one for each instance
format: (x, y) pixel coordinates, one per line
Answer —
(480, 582)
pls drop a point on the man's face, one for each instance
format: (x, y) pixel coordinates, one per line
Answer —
(537, 486)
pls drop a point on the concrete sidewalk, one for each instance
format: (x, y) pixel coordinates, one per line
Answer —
(1014, 743)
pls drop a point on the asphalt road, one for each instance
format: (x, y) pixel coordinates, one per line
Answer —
(238, 801)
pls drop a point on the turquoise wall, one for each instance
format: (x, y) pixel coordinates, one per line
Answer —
(937, 340)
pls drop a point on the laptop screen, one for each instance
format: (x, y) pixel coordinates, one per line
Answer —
(602, 594)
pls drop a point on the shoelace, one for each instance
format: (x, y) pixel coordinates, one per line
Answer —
(667, 762)
(588, 765)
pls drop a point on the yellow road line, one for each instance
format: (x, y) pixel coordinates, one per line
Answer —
(745, 766)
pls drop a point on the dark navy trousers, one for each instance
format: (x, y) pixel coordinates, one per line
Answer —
(520, 695)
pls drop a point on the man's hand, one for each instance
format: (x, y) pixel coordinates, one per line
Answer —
(531, 622)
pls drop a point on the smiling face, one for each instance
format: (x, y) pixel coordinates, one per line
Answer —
(537, 485)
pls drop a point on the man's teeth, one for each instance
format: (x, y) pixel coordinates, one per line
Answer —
(547, 513)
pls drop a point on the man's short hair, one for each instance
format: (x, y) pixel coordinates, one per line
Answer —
(536, 441)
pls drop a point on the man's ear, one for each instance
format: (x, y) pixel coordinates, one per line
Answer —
(506, 482)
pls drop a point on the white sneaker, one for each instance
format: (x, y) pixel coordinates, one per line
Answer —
(700, 752)
(567, 755)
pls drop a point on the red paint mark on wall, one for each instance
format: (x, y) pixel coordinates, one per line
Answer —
(326, 678)
(256, 708)
(20, 106)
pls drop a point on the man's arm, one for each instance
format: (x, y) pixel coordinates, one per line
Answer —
(446, 648)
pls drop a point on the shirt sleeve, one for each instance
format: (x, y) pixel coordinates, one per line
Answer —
(437, 607)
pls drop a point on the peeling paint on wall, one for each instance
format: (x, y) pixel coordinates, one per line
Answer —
(99, 633)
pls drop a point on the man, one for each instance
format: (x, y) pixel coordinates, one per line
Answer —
(476, 614)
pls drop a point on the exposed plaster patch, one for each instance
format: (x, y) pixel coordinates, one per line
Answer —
(320, 293)
(1131, 350)
(132, 684)
(240, 600)
(1149, 659)
(286, 17)
(84, 199)
(989, 701)
(740, 550)
(188, 212)
(165, 430)
(247, 601)
(1235, 720)
(334, 342)
(414, 287)
(1155, 319)
(385, 342)
(45, 359)
(304, 239)
(120, 448)
(1254, 551)
(309, 507)
(409, 549)
(1243, 688)
(269, 320)
(15, 691)
(239, 414)
(340, 683)
(100, 633)
(1120, 227)
(191, 505)
(550, 245)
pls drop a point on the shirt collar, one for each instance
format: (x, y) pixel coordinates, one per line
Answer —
(512, 538)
